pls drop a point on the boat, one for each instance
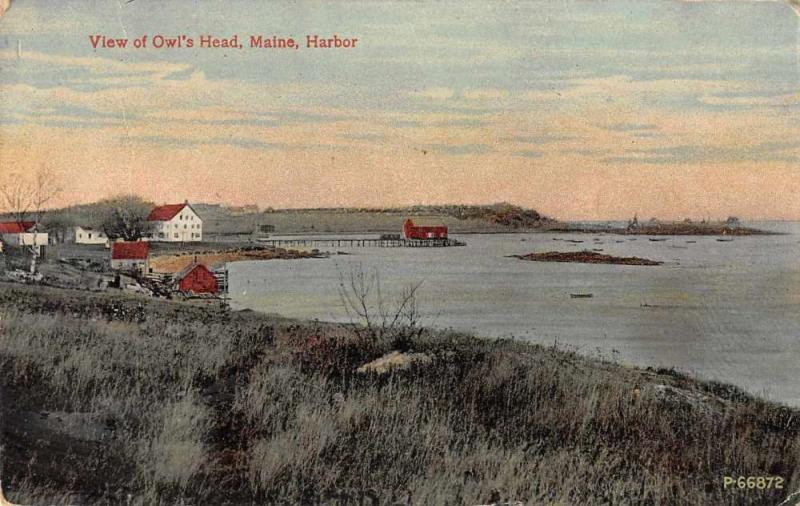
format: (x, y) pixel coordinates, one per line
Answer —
(581, 295)
(719, 239)
(657, 239)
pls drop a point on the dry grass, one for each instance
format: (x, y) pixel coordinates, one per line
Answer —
(203, 405)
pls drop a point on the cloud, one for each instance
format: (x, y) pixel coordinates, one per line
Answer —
(406, 123)
(239, 142)
(631, 127)
(528, 153)
(753, 100)
(485, 94)
(96, 66)
(793, 4)
(543, 138)
(435, 93)
(367, 137)
(457, 149)
(689, 153)
(187, 142)
(637, 92)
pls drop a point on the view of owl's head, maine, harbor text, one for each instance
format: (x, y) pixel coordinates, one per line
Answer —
(207, 41)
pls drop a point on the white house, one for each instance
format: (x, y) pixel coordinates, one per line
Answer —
(90, 236)
(176, 223)
(23, 233)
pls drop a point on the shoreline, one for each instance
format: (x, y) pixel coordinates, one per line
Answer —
(168, 263)
(668, 229)
(561, 227)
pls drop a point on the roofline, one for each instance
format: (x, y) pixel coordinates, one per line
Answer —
(184, 204)
(192, 208)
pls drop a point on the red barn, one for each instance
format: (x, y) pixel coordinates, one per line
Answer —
(196, 278)
(411, 231)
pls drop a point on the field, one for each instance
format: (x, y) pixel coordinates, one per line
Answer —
(119, 399)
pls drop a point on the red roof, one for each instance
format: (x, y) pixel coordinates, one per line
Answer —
(15, 227)
(165, 213)
(130, 250)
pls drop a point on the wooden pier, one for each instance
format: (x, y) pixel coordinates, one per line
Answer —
(221, 275)
(339, 242)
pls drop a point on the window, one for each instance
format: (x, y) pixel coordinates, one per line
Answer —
(90, 236)
(176, 236)
(161, 234)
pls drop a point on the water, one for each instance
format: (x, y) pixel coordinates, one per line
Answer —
(719, 310)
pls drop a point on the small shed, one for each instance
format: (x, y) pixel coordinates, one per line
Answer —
(196, 278)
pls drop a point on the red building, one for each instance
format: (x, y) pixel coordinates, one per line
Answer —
(411, 231)
(196, 278)
(131, 256)
(15, 227)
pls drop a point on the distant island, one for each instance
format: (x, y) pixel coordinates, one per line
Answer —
(501, 217)
(585, 257)
(731, 226)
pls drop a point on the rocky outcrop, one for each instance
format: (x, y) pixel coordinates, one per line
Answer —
(394, 360)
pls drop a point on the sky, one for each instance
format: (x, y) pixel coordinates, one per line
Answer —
(581, 110)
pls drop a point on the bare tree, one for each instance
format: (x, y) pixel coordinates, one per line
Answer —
(17, 196)
(376, 316)
(45, 189)
(22, 197)
(125, 217)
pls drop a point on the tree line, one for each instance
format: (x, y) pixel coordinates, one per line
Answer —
(29, 198)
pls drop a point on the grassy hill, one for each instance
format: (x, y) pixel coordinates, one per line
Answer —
(118, 399)
(459, 218)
